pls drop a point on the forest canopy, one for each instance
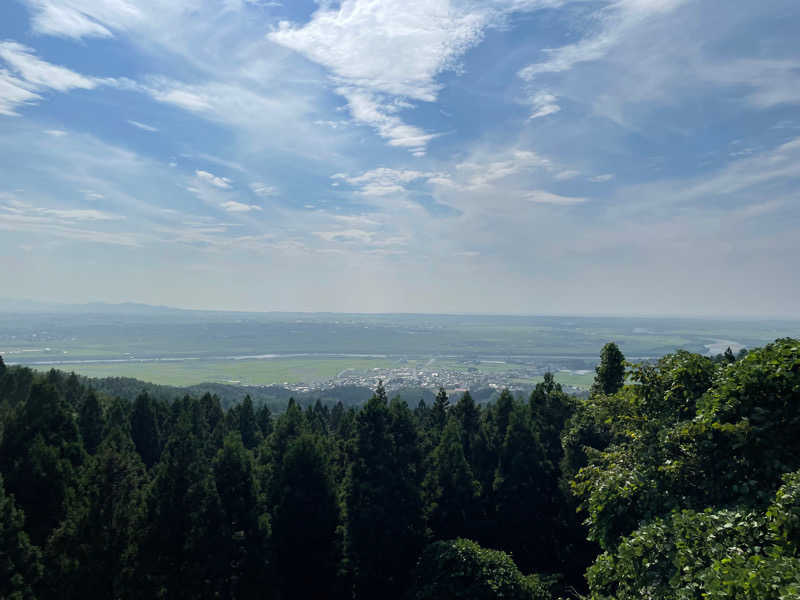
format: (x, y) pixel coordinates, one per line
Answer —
(677, 478)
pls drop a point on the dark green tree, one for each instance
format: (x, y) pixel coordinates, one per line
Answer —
(248, 425)
(468, 416)
(550, 408)
(610, 373)
(305, 517)
(526, 495)
(94, 551)
(382, 486)
(40, 453)
(92, 422)
(439, 410)
(451, 490)
(145, 429)
(73, 391)
(245, 527)
(20, 561)
(186, 535)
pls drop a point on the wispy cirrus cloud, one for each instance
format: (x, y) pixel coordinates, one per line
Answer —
(219, 182)
(616, 20)
(262, 189)
(143, 126)
(28, 77)
(543, 104)
(39, 73)
(81, 18)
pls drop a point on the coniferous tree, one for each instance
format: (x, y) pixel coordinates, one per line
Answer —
(92, 422)
(185, 517)
(305, 517)
(245, 526)
(439, 411)
(469, 418)
(525, 485)
(610, 372)
(264, 420)
(550, 408)
(378, 490)
(73, 391)
(3, 367)
(20, 561)
(94, 552)
(145, 429)
(248, 425)
(451, 490)
(40, 453)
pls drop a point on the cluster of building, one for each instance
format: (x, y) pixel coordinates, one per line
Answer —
(515, 378)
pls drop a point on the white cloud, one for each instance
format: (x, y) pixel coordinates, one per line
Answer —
(55, 132)
(542, 197)
(617, 21)
(143, 126)
(367, 108)
(382, 181)
(64, 21)
(182, 98)
(395, 47)
(346, 235)
(382, 52)
(239, 207)
(39, 73)
(220, 182)
(14, 93)
(543, 104)
(566, 174)
(482, 174)
(32, 76)
(262, 189)
(602, 178)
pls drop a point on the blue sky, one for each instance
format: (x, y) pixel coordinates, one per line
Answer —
(503, 156)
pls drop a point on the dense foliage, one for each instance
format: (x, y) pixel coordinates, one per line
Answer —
(674, 479)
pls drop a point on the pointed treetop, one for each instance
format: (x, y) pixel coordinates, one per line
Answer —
(380, 392)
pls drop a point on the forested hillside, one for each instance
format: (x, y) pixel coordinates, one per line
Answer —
(676, 479)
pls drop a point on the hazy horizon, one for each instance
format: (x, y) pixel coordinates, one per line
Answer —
(11, 305)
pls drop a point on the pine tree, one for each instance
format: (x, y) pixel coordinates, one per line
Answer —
(248, 426)
(39, 457)
(550, 408)
(305, 517)
(20, 561)
(245, 527)
(92, 422)
(145, 429)
(185, 517)
(451, 489)
(73, 391)
(264, 420)
(610, 372)
(468, 416)
(524, 486)
(94, 551)
(383, 486)
(439, 411)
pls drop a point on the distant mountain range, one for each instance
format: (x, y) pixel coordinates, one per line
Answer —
(16, 305)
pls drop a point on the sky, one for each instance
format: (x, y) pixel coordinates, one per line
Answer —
(444, 156)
